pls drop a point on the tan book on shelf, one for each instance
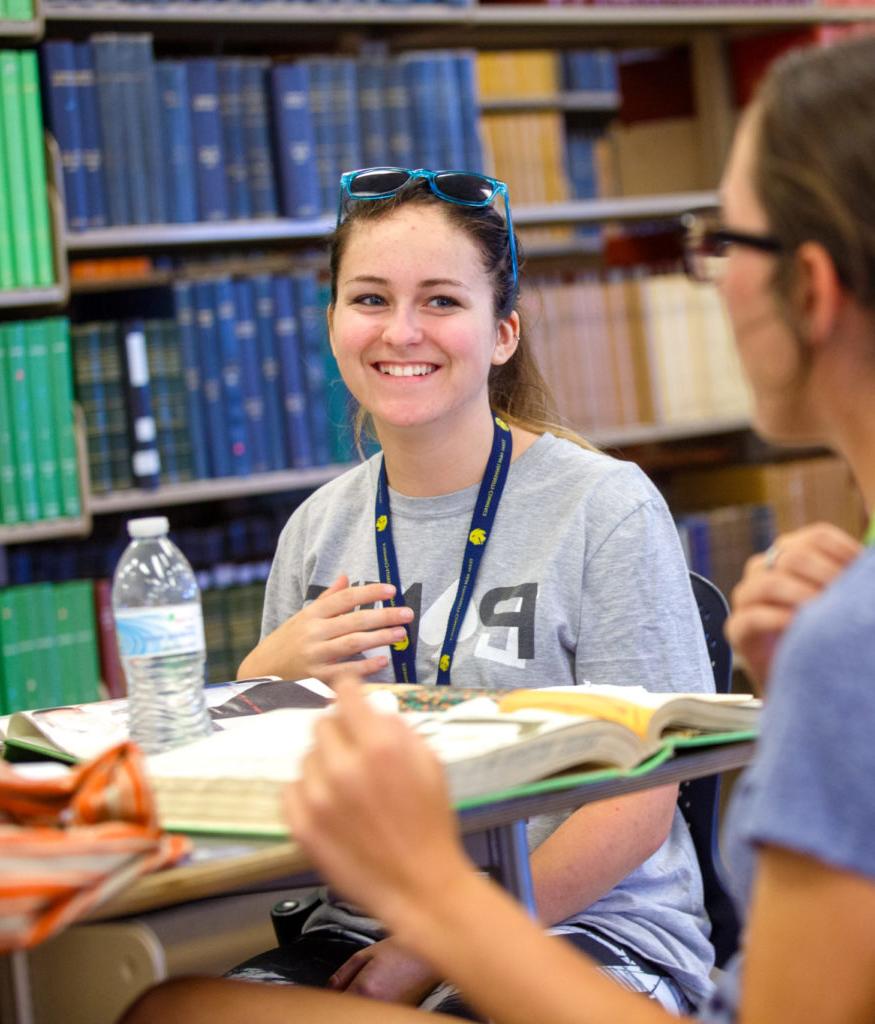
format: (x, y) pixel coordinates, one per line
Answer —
(620, 336)
(655, 157)
(729, 394)
(643, 372)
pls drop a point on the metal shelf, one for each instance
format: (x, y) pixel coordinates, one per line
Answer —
(47, 529)
(213, 490)
(595, 211)
(584, 101)
(653, 433)
(30, 31)
(152, 236)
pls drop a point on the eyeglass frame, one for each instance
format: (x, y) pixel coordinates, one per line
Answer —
(499, 188)
(720, 236)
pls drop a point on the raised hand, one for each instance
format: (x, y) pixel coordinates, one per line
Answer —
(322, 640)
(795, 569)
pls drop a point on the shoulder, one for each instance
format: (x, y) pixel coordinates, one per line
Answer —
(340, 498)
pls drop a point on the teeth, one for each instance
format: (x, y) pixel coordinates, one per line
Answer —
(406, 369)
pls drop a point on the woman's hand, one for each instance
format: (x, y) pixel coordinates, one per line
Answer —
(319, 641)
(386, 971)
(795, 569)
(372, 810)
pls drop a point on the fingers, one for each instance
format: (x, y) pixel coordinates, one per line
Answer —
(347, 972)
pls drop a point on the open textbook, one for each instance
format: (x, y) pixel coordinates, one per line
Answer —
(232, 781)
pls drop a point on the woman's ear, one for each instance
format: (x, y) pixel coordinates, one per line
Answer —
(507, 338)
(329, 316)
(818, 295)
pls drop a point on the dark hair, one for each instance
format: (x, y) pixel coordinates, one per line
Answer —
(517, 390)
(814, 162)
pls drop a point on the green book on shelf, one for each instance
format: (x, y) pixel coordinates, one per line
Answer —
(13, 691)
(10, 506)
(25, 662)
(18, 393)
(19, 10)
(76, 633)
(20, 221)
(45, 445)
(34, 151)
(7, 262)
(48, 667)
(61, 381)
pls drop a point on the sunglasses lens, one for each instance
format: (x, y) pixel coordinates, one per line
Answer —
(377, 181)
(465, 188)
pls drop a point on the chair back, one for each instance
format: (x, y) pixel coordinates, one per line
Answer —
(699, 799)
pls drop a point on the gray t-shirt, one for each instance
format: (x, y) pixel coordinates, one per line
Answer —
(809, 787)
(583, 580)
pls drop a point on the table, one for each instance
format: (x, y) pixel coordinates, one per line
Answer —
(494, 834)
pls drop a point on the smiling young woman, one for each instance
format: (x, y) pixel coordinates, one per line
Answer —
(485, 548)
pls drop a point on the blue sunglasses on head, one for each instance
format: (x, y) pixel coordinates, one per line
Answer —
(464, 188)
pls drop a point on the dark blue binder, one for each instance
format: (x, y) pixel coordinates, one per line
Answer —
(65, 120)
(130, 109)
(295, 141)
(251, 381)
(233, 138)
(108, 73)
(400, 117)
(195, 399)
(256, 131)
(373, 112)
(92, 143)
(274, 417)
(150, 115)
(172, 79)
(207, 336)
(313, 345)
(298, 441)
(237, 442)
(469, 105)
(206, 126)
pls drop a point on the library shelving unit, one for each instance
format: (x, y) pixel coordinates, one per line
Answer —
(284, 27)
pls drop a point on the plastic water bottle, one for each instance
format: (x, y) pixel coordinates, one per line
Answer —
(160, 630)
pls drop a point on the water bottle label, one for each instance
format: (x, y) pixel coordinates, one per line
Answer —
(173, 629)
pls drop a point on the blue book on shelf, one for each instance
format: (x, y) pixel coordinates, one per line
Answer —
(142, 432)
(344, 115)
(251, 381)
(271, 386)
(157, 186)
(372, 113)
(447, 128)
(298, 442)
(469, 104)
(207, 336)
(698, 543)
(421, 78)
(65, 121)
(237, 442)
(400, 116)
(178, 145)
(92, 143)
(233, 137)
(328, 168)
(313, 343)
(195, 401)
(131, 78)
(256, 132)
(296, 141)
(580, 145)
(90, 390)
(108, 73)
(206, 125)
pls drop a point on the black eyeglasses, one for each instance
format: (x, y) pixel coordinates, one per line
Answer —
(464, 188)
(707, 242)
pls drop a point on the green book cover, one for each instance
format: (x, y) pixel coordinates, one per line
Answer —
(26, 615)
(19, 10)
(16, 171)
(22, 421)
(36, 337)
(7, 262)
(61, 380)
(10, 506)
(77, 638)
(47, 658)
(13, 684)
(34, 151)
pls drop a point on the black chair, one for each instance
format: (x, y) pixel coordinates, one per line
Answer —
(699, 799)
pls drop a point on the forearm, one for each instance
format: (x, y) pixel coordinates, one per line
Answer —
(482, 941)
(597, 847)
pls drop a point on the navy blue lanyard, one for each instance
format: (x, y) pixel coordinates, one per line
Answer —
(491, 487)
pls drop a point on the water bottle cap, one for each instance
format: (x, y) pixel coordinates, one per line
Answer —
(150, 526)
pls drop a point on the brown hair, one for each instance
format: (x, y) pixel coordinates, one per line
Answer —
(517, 390)
(814, 163)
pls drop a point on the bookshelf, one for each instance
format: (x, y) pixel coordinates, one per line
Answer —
(560, 239)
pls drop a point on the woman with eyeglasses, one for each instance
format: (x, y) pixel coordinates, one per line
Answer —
(372, 806)
(486, 548)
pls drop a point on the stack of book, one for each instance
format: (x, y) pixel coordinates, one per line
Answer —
(146, 141)
(26, 259)
(232, 596)
(237, 383)
(39, 473)
(626, 348)
(48, 646)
